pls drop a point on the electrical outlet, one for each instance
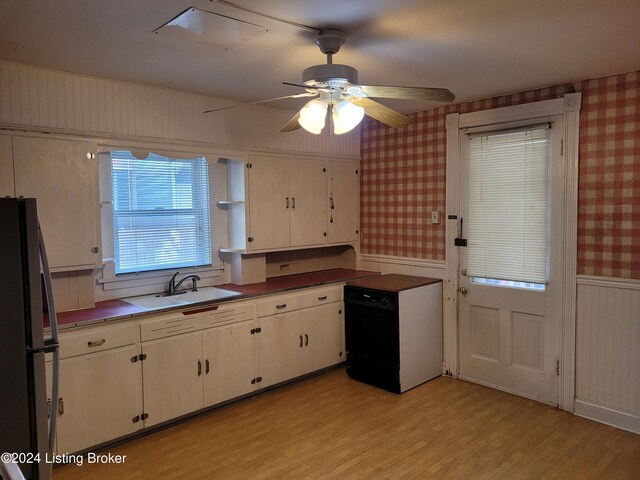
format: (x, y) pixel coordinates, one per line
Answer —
(435, 217)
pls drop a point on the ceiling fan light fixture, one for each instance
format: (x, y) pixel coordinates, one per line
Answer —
(346, 116)
(312, 116)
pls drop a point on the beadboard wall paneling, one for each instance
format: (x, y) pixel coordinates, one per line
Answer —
(58, 101)
(608, 345)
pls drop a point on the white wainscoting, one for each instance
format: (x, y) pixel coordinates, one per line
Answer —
(401, 265)
(608, 351)
(61, 102)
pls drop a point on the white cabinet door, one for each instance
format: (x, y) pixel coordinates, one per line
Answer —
(100, 395)
(62, 178)
(229, 356)
(344, 188)
(322, 327)
(173, 371)
(280, 344)
(6, 167)
(308, 192)
(269, 203)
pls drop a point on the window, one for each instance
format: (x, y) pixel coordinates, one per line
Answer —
(161, 212)
(507, 207)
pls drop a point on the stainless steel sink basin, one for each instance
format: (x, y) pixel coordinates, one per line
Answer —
(207, 294)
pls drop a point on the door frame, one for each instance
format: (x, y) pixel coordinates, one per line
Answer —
(568, 106)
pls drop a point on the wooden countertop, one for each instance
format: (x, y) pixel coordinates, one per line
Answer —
(118, 310)
(393, 282)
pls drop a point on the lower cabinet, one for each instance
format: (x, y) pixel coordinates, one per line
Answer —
(100, 398)
(187, 372)
(299, 342)
(229, 354)
(172, 370)
(117, 379)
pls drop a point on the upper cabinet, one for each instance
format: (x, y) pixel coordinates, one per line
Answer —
(287, 203)
(62, 175)
(344, 188)
(6, 167)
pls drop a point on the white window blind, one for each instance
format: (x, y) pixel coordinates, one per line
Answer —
(161, 213)
(506, 221)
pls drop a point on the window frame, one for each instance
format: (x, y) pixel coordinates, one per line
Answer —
(137, 283)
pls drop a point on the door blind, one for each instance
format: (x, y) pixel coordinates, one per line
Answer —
(161, 213)
(507, 205)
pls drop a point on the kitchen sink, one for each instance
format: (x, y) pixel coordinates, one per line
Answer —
(152, 302)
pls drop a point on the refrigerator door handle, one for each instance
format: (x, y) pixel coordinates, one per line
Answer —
(53, 342)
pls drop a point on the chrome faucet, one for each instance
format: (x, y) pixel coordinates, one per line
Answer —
(173, 286)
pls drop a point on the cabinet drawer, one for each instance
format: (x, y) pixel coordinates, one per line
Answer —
(297, 300)
(92, 340)
(167, 325)
(222, 314)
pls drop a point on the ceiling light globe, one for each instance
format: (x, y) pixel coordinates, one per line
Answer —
(346, 116)
(312, 116)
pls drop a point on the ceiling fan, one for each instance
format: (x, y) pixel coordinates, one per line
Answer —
(335, 87)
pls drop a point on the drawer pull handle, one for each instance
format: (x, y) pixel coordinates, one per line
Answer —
(199, 367)
(306, 340)
(60, 406)
(201, 310)
(96, 343)
(206, 366)
(300, 341)
(324, 297)
(281, 306)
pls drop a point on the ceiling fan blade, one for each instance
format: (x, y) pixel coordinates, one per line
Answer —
(298, 95)
(292, 124)
(383, 114)
(408, 93)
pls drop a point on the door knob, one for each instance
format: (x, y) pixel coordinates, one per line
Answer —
(462, 290)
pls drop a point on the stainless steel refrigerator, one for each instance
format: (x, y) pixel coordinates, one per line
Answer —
(27, 423)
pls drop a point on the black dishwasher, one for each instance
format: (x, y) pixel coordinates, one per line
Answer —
(372, 337)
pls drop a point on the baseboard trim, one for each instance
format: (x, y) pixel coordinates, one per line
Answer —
(607, 415)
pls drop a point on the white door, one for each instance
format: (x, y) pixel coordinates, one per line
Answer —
(322, 327)
(229, 356)
(280, 344)
(62, 178)
(269, 202)
(100, 394)
(344, 188)
(308, 191)
(172, 377)
(510, 335)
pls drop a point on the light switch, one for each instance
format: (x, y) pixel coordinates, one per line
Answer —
(435, 217)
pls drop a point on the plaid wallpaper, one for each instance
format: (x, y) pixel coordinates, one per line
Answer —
(403, 177)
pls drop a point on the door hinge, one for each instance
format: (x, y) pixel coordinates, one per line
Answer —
(558, 367)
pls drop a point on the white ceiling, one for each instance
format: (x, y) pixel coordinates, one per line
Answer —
(475, 48)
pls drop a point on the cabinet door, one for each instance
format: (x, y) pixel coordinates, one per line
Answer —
(308, 191)
(62, 178)
(229, 356)
(280, 344)
(269, 203)
(322, 327)
(6, 167)
(344, 188)
(173, 371)
(100, 394)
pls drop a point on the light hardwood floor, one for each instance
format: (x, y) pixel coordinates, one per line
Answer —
(333, 427)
